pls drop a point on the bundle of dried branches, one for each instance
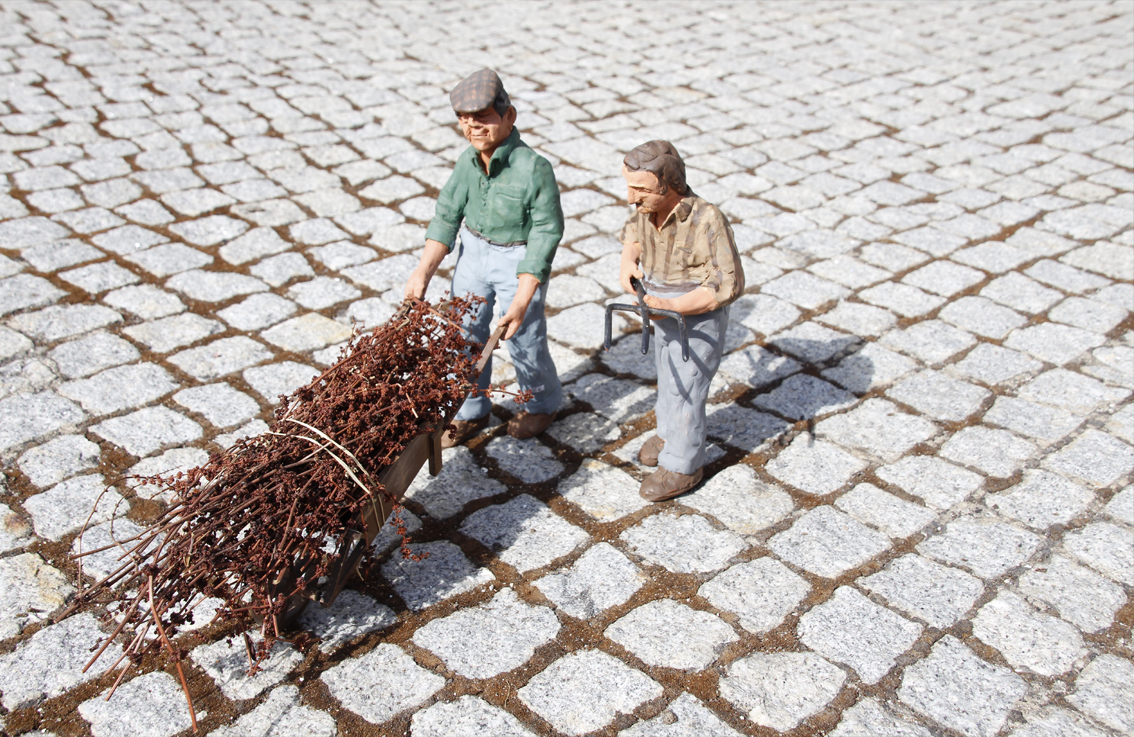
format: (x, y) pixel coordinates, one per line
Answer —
(246, 521)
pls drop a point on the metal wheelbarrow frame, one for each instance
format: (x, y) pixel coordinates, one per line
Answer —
(646, 313)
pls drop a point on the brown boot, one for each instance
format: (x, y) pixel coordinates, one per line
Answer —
(462, 430)
(664, 484)
(524, 425)
(648, 455)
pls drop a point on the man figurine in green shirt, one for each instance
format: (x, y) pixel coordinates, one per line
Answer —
(508, 199)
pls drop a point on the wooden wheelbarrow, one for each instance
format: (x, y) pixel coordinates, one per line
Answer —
(395, 479)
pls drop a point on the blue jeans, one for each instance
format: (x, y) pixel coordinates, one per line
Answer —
(490, 272)
(683, 386)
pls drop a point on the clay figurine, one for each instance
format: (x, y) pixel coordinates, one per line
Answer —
(508, 200)
(682, 250)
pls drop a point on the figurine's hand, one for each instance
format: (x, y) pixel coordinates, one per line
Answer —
(514, 317)
(416, 285)
(629, 269)
(511, 321)
(696, 302)
(431, 258)
(658, 303)
(631, 255)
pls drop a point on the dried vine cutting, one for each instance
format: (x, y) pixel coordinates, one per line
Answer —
(243, 524)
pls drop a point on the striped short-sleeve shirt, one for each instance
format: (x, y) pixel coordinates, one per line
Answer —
(693, 248)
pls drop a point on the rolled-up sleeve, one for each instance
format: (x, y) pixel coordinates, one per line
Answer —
(629, 232)
(450, 209)
(724, 274)
(547, 223)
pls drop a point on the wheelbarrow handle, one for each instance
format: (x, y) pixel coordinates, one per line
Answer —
(435, 458)
(489, 347)
(640, 290)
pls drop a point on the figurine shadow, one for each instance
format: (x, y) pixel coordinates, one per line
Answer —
(797, 378)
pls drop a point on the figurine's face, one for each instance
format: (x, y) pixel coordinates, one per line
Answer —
(487, 129)
(644, 191)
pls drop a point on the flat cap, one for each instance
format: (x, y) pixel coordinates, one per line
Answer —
(478, 91)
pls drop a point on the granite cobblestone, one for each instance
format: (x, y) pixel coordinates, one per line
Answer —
(920, 470)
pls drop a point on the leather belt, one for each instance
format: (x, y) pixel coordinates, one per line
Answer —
(491, 242)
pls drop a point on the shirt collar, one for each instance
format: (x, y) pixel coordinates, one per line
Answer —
(682, 209)
(499, 156)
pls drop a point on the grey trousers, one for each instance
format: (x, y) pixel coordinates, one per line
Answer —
(683, 387)
(490, 272)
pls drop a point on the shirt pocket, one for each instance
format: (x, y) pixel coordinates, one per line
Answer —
(694, 264)
(684, 258)
(507, 209)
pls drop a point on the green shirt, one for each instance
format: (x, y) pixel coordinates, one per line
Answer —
(518, 201)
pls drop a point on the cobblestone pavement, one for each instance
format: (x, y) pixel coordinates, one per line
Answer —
(918, 517)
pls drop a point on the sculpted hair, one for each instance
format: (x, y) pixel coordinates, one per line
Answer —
(661, 159)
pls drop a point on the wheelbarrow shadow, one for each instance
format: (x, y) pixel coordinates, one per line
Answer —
(766, 391)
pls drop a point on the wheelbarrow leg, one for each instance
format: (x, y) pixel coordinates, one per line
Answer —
(435, 451)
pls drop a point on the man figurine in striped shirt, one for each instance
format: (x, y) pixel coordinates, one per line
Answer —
(682, 249)
(507, 199)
